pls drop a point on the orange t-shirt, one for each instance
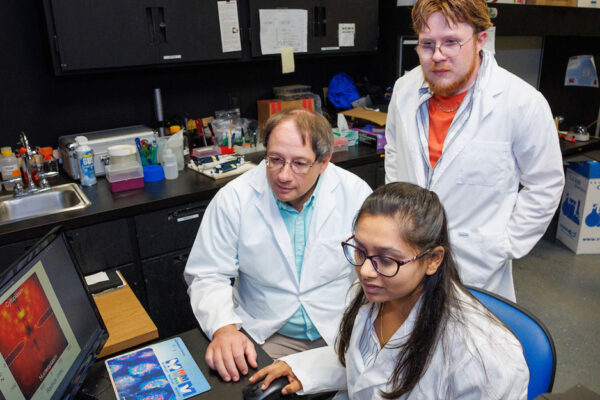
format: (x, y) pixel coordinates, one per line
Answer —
(439, 122)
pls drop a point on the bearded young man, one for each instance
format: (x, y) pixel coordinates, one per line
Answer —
(471, 131)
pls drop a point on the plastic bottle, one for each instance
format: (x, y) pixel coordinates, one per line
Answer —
(169, 163)
(85, 158)
(9, 166)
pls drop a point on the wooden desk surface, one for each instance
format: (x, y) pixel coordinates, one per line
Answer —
(127, 322)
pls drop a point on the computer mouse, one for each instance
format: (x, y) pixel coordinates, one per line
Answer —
(254, 392)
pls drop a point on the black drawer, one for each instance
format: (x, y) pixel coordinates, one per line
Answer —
(168, 230)
(102, 246)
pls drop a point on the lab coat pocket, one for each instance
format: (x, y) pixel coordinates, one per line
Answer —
(478, 255)
(329, 260)
(484, 163)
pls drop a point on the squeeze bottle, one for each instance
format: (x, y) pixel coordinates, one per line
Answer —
(85, 158)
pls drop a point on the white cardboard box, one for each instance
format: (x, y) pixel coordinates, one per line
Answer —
(579, 220)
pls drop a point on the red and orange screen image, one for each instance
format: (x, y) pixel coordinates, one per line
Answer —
(31, 340)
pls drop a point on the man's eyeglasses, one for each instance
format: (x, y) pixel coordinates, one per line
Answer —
(385, 266)
(298, 166)
(449, 48)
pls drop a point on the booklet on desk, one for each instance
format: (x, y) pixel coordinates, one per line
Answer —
(102, 281)
(163, 370)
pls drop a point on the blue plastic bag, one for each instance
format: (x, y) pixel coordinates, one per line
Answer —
(342, 92)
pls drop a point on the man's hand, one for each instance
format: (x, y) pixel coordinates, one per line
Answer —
(274, 371)
(228, 351)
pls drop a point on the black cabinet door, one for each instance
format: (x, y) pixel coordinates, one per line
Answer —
(102, 246)
(189, 31)
(93, 34)
(165, 231)
(323, 19)
(168, 302)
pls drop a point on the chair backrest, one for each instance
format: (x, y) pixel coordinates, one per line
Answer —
(538, 346)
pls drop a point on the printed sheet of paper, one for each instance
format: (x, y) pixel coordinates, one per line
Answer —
(346, 33)
(230, 26)
(283, 28)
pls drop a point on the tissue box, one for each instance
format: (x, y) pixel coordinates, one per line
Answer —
(579, 220)
(350, 135)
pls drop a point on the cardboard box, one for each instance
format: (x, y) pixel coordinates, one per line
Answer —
(266, 108)
(559, 3)
(579, 220)
(377, 117)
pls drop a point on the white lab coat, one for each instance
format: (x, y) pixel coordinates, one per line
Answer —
(479, 359)
(243, 236)
(503, 134)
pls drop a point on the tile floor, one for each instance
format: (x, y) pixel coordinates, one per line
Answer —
(563, 290)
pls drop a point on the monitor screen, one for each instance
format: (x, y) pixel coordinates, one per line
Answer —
(50, 329)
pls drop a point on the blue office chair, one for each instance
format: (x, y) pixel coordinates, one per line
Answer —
(537, 343)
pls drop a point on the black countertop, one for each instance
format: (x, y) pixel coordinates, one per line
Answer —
(188, 187)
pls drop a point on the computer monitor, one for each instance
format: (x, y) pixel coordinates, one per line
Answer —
(50, 329)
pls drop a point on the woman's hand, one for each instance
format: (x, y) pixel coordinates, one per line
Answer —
(273, 372)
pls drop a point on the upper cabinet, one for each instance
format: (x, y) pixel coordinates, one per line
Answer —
(105, 34)
(332, 26)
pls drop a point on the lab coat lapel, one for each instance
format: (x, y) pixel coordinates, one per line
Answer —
(482, 99)
(324, 204)
(267, 207)
(361, 377)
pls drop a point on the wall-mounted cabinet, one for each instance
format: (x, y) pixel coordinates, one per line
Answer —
(323, 19)
(92, 34)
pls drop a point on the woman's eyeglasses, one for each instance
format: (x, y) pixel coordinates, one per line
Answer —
(384, 266)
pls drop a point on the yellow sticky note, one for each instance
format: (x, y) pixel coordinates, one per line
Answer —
(287, 60)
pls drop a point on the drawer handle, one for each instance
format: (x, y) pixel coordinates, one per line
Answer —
(186, 215)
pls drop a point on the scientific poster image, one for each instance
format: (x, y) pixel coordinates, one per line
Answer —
(31, 338)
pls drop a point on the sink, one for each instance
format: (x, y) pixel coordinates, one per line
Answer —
(59, 199)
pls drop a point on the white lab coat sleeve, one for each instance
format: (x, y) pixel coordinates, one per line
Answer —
(501, 377)
(391, 138)
(319, 370)
(213, 262)
(539, 160)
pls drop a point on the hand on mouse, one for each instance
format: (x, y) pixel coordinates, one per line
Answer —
(274, 371)
(227, 353)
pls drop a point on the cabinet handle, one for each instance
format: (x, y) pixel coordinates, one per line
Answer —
(186, 214)
(162, 26)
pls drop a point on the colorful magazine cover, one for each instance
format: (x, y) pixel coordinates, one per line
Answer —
(162, 371)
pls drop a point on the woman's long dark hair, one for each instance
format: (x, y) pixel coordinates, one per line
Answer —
(422, 221)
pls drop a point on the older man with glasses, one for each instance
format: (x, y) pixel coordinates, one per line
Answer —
(478, 136)
(276, 230)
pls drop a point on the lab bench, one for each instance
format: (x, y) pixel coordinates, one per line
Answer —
(148, 233)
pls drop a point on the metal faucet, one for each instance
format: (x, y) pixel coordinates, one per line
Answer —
(26, 161)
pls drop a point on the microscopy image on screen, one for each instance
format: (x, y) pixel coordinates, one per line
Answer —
(31, 338)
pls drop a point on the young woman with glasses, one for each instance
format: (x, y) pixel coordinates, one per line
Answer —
(412, 331)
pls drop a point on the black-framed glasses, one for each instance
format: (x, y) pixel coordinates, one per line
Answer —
(385, 266)
(298, 166)
(449, 48)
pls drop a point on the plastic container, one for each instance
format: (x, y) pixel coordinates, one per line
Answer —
(122, 177)
(9, 167)
(48, 163)
(175, 143)
(170, 164)
(123, 154)
(340, 144)
(85, 158)
(153, 173)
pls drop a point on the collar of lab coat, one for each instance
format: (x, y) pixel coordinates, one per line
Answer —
(381, 370)
(267, 206)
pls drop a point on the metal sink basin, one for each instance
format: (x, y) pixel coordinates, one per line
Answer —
(59, 199)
